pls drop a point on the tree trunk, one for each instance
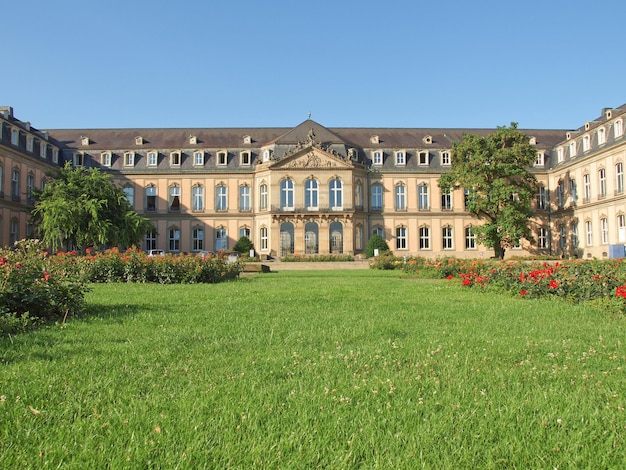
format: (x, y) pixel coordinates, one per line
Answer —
(499, 249)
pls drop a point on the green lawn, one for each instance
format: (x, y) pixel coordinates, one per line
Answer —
(325, 369)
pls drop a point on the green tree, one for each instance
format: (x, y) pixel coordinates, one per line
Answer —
(494, 172)
(243, 245)
(376, 242)
(81, 208)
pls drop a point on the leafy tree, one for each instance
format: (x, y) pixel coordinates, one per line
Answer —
(376, 242)
(243, 245)
(81, 207)
(494, 170)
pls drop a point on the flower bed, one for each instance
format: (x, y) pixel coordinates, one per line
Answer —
(576, 280)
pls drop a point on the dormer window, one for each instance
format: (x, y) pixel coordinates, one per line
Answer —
(572, 149)
(129, 158)
(55, 155)
(138, 140)
(266, 156)
(153, 158)
(586, 143)
(43, 149)
(618, 128)
(532, 140)
(245, 158)
(375, 139)
(428, 139)
(587, 126)
(79, 159)
(400, 157)
(29, 143)
(193, 140)
(540, 161)
(175, 158)
(601, 136)
(559, 154)
(198, 158)
(377, 158)
(247, 139)
(222, 157)
(84, 140)
(422, 158)
(15, 136)
(105, 158)
(445, 158)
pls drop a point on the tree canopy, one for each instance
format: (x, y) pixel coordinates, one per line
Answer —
(81, 208)
(499, 188)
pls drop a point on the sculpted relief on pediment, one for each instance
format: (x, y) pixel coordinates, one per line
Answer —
(313, 159)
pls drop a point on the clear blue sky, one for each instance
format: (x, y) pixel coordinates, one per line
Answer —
(238, 63)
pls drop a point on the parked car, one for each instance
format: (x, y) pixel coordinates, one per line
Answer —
(156, 253)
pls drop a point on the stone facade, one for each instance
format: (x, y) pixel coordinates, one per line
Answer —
(317, 190)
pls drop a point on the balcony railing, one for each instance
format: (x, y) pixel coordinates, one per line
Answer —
(302, 208)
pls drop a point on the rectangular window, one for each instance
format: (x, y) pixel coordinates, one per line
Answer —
(540, 161)
(604, 230)
(198, 158)
(586, 188)
(422, 158)
(197, 198)
(573, 191)
(15, 185)
(175, 159)
(222, 158)
(197, 239)
(542, 201)
(424, 238)
(560, 194)
(174, 239)
(244, 198)
(151, 199)
(105, 158)
(378, 158)
(29, 143)
(562, 237)
(621, 228)
(129, 192)
(55, 155)
(446, 201)
(447, 240)
(618, 128)
(445, 159)
(43, 149)
(174, 198)
(401, 238)
(151, 240)
(542, 238)
(422, 197)
(601, 136)
(559, 155)
(589, 233)
(264, 240)
(400, 197)
(221, 239)
(470, 239)
(400, 158)
(377, 197)
(572, 149)
(619, 178)
(245, 158)
(586, 143)
(574, 234)
(221, 201)
(263, 197)
(602, 181)
(15, 136)
(129, 159)
(79, 159)
(152, 158)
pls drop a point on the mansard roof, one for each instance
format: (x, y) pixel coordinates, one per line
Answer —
(225, 138)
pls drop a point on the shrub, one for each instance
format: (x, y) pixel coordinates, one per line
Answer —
(385, 261)
(376, 242)
(316, 258)
(243, 246)
(35, 286)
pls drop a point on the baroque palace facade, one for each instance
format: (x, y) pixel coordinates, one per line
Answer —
(317, 190)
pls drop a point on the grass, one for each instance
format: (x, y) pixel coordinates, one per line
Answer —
(323, 369)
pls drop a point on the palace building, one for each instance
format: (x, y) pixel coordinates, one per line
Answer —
(316, 190)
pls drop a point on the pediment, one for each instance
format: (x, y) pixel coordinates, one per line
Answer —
(312, 157)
